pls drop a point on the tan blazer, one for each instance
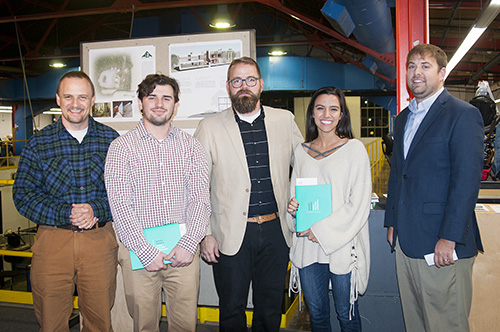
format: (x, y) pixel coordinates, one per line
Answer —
(229, 177)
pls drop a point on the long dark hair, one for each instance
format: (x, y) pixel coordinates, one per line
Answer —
(343, 129)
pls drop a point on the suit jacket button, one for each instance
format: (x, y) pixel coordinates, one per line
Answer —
(404, 176)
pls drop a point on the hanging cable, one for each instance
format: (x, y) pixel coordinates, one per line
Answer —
(24, 75)
(132, 22)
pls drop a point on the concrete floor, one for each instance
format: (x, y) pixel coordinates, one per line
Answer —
(20, 317)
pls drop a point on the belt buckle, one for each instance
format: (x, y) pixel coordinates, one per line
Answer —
(76, 229)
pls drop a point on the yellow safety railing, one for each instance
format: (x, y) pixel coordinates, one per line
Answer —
(205, 314)
(376, 155)
(7, 154)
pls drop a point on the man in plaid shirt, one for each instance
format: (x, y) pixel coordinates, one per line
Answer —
(157, 174)
(60, 186)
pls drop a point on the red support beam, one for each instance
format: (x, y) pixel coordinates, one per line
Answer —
(49, 29)
(202, 21)
(118, 6)
(20, 32)
(347, 59)
(412, 28)
(277, 4)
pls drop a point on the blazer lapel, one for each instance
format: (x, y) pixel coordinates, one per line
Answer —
(233, 132)
(271, 132)
(400, 128)
(436, 108)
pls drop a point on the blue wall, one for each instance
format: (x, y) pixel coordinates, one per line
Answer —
(41, 87)
(293, 73)
(289, 73)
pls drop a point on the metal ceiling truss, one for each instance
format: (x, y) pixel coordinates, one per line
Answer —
(299, 21)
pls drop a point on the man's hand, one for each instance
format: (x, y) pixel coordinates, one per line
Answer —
(82, 216)
(209, 249)
(443, 253)
(179, 257)
(157, 264)
(390, 233)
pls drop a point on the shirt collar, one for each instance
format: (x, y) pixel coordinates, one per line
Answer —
(259, 117)
(425, 104)
(60, 129)
(143, 132)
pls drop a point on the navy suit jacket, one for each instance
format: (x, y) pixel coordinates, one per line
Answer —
(432, 193)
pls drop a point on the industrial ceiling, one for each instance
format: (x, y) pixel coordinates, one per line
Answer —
(45, 30)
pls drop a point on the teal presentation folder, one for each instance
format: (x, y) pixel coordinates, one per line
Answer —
(315, 203)
(163, 238)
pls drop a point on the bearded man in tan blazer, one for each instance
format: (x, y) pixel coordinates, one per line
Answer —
(249, 149)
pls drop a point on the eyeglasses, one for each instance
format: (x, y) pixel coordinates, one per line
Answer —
(238, 82)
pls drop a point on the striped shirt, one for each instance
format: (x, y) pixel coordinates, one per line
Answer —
(55, 171)
(254, 139)
(152, 183)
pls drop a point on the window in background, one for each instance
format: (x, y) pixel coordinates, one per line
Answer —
(374, 119)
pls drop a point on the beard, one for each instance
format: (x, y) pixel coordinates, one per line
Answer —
(157, 121)
(245, 104)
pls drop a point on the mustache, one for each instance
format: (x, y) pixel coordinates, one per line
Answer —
(239, 93)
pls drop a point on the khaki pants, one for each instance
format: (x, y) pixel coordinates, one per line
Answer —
(434, 300)
(143, 291)
(62, 258)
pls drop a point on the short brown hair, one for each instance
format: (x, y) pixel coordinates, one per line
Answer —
(429, 50)
(243, 60)
(76, 74)
(147, 86)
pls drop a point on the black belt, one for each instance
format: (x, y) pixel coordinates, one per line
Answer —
(76, 229)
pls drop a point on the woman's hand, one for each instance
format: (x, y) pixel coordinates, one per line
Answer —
(310, 235)
(293, 206)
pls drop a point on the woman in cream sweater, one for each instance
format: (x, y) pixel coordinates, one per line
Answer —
(335, 249)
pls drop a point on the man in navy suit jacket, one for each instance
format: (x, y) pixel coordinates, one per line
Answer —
(433, 188)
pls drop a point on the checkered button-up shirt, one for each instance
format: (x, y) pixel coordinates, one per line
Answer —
(151, 183)
(55, 171)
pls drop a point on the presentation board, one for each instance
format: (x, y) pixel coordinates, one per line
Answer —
(199, 62)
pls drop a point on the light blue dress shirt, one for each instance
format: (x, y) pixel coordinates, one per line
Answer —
(416, 116)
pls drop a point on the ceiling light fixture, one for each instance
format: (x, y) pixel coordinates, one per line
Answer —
(57, 65)
(485, 17)
(277, 53)
(54, 111)
(222, 19)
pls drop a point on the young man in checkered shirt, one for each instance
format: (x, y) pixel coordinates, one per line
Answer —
(157, 174)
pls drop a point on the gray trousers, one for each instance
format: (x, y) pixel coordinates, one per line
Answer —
(434, 299)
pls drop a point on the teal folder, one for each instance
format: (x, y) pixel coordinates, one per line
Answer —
(163, 238)
(315, 203)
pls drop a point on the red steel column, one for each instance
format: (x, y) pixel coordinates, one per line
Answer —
(412, 28)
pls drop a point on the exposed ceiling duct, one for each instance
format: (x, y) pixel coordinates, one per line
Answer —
(372, 28)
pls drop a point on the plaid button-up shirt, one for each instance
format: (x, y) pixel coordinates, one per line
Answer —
(55, 171)
(152, 183)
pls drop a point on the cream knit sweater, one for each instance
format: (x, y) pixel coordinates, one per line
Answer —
(343, 237)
